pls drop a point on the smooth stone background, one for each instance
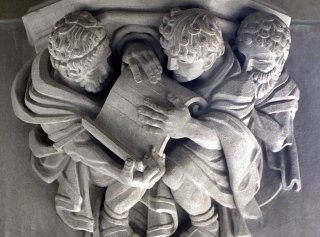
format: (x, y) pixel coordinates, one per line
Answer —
(27, 203)
(15, 8)
(297, 9)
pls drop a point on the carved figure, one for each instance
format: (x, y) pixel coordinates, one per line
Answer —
(56, 102)
(264, 40)
(220, 161)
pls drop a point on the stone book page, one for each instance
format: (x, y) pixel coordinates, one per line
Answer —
(117, 125)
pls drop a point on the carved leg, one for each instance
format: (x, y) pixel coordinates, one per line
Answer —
(119, 199)
(194, 201)
(204, 225)
(203, 216)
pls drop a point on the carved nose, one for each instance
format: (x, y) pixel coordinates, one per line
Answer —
(247, 66)
(172, 64)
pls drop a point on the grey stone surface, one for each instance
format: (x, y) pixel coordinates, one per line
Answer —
(307, 10)
(220, 158)
(298, 211)
(298, 9)
(228, 11)
(26, 201)
(15, 8)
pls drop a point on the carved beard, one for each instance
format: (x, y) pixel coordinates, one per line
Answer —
(94, 81)
(265, 82)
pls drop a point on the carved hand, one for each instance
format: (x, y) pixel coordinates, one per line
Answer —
(152, 167)
(171, 121)
(176, 122)
(140, 56)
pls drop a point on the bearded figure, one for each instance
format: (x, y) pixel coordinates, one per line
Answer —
(264, 41)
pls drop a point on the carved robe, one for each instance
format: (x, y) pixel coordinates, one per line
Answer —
(272, 123)
(63, 151)
(230, 175)
(56, 110)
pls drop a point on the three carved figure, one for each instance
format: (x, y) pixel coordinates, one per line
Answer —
(221, 111)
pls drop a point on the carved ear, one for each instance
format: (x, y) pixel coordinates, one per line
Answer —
(209, 61)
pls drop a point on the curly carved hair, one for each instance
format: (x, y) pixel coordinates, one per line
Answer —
(77, 43)
(191, 34)
(265, 30)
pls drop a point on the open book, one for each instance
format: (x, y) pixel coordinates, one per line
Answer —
(117, 126)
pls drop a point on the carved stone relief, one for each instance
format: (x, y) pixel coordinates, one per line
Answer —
(163, 126)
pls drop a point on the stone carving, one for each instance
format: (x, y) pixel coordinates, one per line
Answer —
(145, 127)
(78, 49)
(264, 41)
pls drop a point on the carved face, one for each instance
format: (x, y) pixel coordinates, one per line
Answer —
(187, 69)
(263, 66)
(91, 77)
(258, 58)
(100, 69)
(97, 76)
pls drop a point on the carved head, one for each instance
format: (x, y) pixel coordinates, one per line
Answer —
(264, 40)
(192, 40)
(79, 49)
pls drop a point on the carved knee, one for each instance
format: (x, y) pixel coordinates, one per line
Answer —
(121, 198)
(174, 175)
(117, 207)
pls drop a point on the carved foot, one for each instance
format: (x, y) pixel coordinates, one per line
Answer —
(115, 225)
(118, 231)
(204, 225)
(201, 232)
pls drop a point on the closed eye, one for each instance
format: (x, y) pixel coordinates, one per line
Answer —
(264, 61)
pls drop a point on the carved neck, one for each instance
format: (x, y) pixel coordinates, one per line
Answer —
(208, 74)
